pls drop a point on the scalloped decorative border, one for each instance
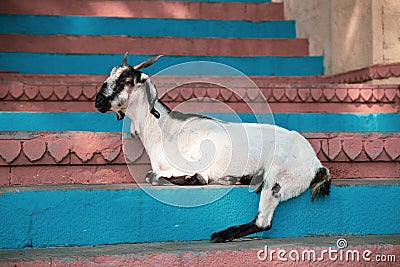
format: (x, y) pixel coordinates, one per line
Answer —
(274, 93)
(105, 148)
(373, 72)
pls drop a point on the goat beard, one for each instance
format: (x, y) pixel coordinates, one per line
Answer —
(120, 115)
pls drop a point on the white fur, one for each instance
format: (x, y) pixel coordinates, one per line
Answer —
(236, 149)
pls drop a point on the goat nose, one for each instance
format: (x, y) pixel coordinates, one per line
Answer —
(102, 104)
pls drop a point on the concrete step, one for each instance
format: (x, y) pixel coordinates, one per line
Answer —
(360, 251)
(77, 94)
(62, 158)
(301, 122)
(362, 75)
(255, 10)
(177, 46)
(45, 63)
(46, 216)
(144, 27)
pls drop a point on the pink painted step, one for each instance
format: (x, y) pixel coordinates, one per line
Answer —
(366, 250)
(153, 45)
(62, 158)
(148, 9)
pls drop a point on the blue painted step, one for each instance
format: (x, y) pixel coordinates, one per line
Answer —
(303, 122)
(81, 25)
(94, 215)
(42, 63)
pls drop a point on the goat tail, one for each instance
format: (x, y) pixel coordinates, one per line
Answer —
(321, 183)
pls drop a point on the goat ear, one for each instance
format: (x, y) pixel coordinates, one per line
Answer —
(147, 63)
(151, 92)
(125, 61)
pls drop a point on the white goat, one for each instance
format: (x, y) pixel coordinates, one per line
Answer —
(194, 149)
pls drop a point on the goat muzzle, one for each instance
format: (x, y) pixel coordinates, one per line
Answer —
(102, 104)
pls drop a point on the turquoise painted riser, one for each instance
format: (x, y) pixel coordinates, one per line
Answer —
(85, 25)
(80, 217)
(43, 63)
(303, 122)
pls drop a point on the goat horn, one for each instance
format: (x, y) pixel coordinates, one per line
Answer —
(125, 61)
(147, 63)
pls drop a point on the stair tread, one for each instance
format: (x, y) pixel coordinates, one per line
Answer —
(238, 10)
(179, 46)
(339, 183)
(181, 247)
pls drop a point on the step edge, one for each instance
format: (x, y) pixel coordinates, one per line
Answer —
(133, 186)
(180, 247)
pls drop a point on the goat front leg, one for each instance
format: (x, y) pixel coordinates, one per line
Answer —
(269, 200)
(154, 179)
(196, 179)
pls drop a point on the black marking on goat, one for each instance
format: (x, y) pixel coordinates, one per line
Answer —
(255, 179)
(237, 231)
(130, 72)
(155, 113)
(246, 179)
(243, 180)
(275, 190)
(321, 183)
(152, 178)
(102, 103)
(164, 106)
(185, 116)
(195, 179)
(181, 116)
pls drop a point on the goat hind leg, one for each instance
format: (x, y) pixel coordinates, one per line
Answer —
(269, 200)
(235, 232)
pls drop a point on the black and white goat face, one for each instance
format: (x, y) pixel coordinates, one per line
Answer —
(118, 88)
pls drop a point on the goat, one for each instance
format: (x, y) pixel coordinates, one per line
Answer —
(282, 162)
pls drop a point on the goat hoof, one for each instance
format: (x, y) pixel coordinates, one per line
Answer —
(152, 178)
(228, 180)
(217, 238)
(200, 179)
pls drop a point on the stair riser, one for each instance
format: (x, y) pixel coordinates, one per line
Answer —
(92, 217)
(61, 158)
(168, 80)
(37, 94)
(42, 63)
(118, 173)
(302, 122)
(153, 45)
(281, 107)
(244, 10)
(80, 25)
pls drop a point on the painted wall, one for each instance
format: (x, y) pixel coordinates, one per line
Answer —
(350, 34)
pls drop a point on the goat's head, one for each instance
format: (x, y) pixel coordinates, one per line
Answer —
(123, 82)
